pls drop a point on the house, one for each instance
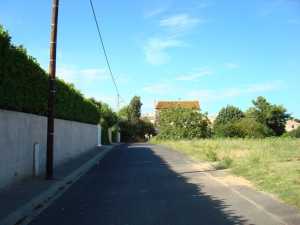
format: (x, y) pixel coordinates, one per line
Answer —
(149, 116)
(162, 105)
(292, 125)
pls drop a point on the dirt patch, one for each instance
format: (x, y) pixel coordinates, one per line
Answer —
(203, 166)
(232, 180)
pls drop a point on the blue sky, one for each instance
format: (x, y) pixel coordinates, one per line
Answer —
(219, 52)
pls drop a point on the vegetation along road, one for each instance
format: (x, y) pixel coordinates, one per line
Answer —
(142, 184)
(272, 164)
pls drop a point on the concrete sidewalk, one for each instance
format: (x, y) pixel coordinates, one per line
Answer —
(21, 201)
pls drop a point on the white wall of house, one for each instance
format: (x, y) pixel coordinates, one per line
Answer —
(21, 133)
(291, 125)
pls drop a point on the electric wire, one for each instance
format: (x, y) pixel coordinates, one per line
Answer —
(105, 52)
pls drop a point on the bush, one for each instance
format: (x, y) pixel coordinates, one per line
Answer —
(224, 163)
(272, 116)
(134, 131)
(228, 130)
(132, 127)
(24, 87)
(128, 131)
(108, 119)
(243, 128)
(250, 128)
(211, 155)
(228, 114)
(104, 136)
(114, 134)
(180, 123)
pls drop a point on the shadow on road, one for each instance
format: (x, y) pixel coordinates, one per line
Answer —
(134, 185)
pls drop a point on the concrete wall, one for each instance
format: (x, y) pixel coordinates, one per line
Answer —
(19, 132)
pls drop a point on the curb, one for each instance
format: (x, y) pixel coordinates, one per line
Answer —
(25, 213)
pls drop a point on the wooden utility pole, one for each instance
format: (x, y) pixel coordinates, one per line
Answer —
(52, 90)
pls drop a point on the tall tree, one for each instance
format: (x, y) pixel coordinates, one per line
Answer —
(271, 115)
(228, 114)
(134, 108)
(124, 112)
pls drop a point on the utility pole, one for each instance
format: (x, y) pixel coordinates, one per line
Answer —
(52, 90)
(118, 102)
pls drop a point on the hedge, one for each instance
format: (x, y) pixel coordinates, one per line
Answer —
(24, 87)
(243, 128)
(181, 123)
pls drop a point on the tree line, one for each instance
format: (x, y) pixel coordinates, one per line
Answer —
(263, 119)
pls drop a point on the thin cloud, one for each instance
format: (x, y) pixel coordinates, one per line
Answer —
(231, 65)
(209, 95)
(87, 81)
(203, 4)
(264, 87)
(72, 75)
(154, 12)
(160, 88)
(111, 100)
(180, 22)
(273, 6)
(156, 50)
(194, 76)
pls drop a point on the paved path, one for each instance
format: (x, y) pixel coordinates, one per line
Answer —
(149, 185)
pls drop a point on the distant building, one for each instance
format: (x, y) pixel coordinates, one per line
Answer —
(161, 105)
(292, 125)
(212, 119)
(149, 116)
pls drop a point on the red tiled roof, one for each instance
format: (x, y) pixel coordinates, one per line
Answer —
(175, 104)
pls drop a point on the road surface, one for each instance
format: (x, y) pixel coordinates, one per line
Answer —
(143, 184)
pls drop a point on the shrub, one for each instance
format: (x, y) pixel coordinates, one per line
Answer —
(243, 128)
(108, 119)
(134, 109)
(180, 123)
(224, 163)
(228, 130)
(260, 121)
(228, 114)
(114, 134)
(104, 136)
(294, 133)
(250, 128)
(211, 155)
(132, 131)
(272, 116)
(132, 127)
(24, 87)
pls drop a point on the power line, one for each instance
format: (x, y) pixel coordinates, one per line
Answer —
(105, 53)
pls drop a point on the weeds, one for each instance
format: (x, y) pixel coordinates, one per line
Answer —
(272, 164)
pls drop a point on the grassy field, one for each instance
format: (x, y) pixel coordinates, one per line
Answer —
(273, 165)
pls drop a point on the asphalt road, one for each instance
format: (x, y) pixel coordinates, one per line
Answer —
(142, 184)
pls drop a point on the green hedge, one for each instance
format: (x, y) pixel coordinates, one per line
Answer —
(104, 136)
(243, 128)
(181, 123)
(24, 87)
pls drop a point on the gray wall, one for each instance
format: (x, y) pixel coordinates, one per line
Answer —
(20, 131)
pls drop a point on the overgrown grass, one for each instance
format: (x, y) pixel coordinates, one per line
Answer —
(272, 164)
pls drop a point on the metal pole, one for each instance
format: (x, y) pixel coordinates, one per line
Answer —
(52, 90)
(118, 102)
